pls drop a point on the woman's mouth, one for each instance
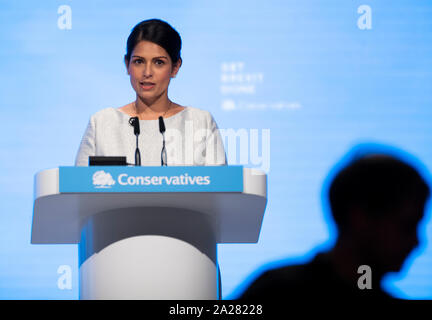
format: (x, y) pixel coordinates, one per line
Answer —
(147, 85)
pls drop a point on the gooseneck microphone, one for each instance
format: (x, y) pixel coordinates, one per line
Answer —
(134, 121)
(162, 131)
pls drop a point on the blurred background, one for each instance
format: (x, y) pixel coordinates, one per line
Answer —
(299, 82)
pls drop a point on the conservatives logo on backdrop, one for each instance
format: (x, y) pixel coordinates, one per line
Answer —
(102, 179)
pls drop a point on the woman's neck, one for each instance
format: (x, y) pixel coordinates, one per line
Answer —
(145, 109)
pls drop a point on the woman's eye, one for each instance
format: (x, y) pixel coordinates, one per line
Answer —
(159, 62)
(137, 61)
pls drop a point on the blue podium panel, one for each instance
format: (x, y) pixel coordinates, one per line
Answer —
(151, 179)
(232, 197)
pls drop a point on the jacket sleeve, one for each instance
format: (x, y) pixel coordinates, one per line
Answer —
(215, 151)
(88, 145)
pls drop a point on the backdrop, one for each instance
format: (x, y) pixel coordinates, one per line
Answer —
(296, 83)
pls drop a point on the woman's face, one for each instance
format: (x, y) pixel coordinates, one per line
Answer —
(151, 69)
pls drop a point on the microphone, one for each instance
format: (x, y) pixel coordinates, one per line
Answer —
(162, 131)
(134, 121)
(161, 125)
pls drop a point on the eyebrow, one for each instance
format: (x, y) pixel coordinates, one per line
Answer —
(152, 58)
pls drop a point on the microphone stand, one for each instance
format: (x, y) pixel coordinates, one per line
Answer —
(163, 152)
(134, 121)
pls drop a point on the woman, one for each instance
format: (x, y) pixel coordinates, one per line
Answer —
(192, 138)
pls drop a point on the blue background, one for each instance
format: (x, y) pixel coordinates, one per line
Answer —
(337, 84)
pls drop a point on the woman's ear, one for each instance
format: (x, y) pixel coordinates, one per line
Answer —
(176, 68)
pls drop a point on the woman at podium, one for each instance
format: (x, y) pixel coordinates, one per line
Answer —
(153, 130)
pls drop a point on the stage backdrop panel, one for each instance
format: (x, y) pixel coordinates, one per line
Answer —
(293, 85)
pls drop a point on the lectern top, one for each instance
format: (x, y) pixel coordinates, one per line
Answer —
(234, 197)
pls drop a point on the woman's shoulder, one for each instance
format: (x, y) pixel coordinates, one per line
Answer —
(107, 113)
(198, 113)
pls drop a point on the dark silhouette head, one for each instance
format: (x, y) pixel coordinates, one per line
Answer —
(377, 202)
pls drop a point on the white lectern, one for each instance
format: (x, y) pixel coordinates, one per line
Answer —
(155, 238)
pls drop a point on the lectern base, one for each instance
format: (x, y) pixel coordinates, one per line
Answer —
(148, 267)
(148, 253)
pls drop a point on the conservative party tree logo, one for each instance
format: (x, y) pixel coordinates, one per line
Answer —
(102, 179)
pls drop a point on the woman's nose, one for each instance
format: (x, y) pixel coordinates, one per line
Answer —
(148, 71)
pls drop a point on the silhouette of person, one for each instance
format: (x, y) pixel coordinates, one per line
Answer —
(376, 202)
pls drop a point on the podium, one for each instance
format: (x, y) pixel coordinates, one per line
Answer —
(148, 232)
